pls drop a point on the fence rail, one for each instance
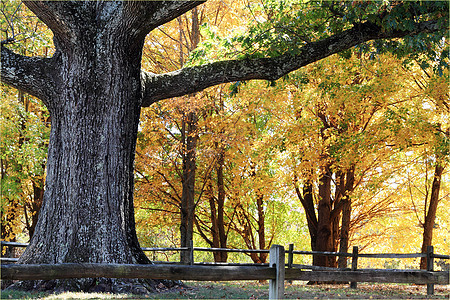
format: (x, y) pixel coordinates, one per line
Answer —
(275, 271)
(155, 271)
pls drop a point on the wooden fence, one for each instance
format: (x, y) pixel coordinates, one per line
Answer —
(276, 271)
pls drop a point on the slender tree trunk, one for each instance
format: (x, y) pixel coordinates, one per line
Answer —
(253, 240)
(345, 228)
(431, 214)
(261, 227)
(335, 222)
(221, 256)
(346, 217)
(190, 124)
(324, 228)
(216, 205)
(214, 242)
(188, 193)
(307, 200)
(34, 207)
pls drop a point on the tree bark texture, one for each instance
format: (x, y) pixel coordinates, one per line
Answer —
(93, 92)
(87, 214)
(262, 257)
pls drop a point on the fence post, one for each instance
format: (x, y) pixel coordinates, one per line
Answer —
(191, 252)
(354, 284)
(430, 267)
(290, 258)
(290, 255)
(276, 260)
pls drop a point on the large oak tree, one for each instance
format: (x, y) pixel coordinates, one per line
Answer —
(94, 88)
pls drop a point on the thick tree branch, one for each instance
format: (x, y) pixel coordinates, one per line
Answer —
(69, 20)
(58, 16)
(194, 79)
(34, 75)
(147, 15)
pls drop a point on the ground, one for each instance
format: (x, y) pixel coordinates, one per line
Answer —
(252, 290)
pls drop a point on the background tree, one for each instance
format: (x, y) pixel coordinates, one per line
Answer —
(333, 115)
(426, 120)
(24, 131)
(170, 49)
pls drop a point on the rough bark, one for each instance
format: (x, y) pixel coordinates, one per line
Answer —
(33, 75)
(92, 89)
(431, 213)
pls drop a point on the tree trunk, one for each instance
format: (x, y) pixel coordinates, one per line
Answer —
(214, 241)
(345, 228)
(221, 256)
(187, 208)
(190, 137)
(324, 234)
(431, 214)
(261, 226)
(88, 214)
(216, 205)
(34, 207)
(346, 216)
(307, 200)
(335, 217)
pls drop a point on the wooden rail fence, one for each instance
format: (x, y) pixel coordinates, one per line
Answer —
(276, 271)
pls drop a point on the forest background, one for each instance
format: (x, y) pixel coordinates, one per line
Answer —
(360, 140)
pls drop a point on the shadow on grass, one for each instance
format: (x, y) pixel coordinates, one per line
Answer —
(254, 290)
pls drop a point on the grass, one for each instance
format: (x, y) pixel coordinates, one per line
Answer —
(252, 290)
